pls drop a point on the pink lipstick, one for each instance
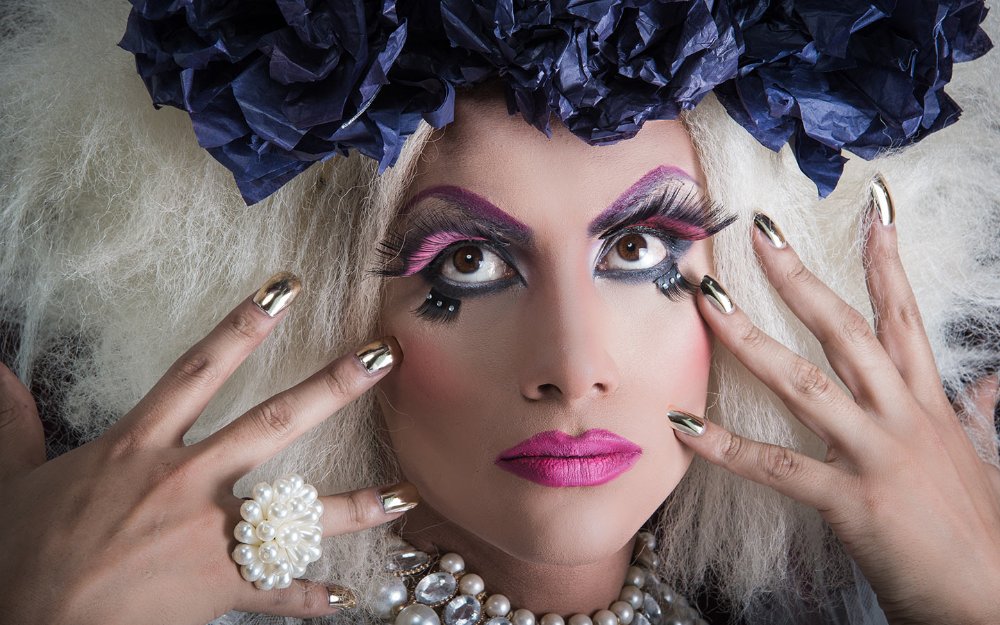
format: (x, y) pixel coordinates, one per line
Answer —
(554, 458)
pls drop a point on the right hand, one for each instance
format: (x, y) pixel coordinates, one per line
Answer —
(136, 527)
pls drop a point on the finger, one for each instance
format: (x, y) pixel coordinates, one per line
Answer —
(273, 425)
(22, 440)
(809, 393)
(792, 474)
(180, 396)
(303, 599)
(898, 323)
(361, 509)
(848, 341)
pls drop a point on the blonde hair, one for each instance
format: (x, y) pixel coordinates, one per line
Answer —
(123, 243)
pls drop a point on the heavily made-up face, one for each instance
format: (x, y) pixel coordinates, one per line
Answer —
(541, 291)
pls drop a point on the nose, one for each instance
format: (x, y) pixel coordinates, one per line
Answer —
(565, 344)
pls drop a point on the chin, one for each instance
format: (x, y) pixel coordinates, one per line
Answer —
(566, 526)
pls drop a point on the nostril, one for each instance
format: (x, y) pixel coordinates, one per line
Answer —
(548, 389)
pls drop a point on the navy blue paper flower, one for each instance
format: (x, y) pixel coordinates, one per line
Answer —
(864, 76)
(275, 85)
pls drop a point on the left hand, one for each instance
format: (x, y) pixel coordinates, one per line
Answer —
(901, 485)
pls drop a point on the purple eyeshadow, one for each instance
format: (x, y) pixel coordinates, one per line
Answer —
(473, 203)
(643, 187)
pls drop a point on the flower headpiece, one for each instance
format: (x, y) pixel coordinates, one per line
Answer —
(275, 85)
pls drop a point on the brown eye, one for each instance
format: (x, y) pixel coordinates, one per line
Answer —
(475, 263)
(634, 250)
(467, 259)
(631, 247)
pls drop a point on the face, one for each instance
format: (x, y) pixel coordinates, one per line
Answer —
(536, 293)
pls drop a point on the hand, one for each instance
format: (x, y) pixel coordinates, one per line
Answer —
(901, 485)
(136, 527)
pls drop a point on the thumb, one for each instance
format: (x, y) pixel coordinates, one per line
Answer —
(22, 442)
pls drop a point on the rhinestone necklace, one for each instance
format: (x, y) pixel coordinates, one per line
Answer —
(430, 590)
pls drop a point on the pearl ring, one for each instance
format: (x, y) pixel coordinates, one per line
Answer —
(280, 533)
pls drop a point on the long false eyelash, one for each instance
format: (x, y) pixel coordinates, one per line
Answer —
(439, 307)
(694, 215)
(674, 285)
(398, 248)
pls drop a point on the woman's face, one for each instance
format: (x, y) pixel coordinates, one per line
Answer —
(554, 330)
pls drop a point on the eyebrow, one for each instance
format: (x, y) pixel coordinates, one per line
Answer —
(475, 206)
(644, 189)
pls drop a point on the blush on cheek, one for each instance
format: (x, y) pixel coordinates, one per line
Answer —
(430, 383)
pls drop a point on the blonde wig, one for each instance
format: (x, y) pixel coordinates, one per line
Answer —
(122, 243)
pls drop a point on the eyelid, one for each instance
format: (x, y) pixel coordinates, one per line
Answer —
(687, 212)
(669, 239)
(431, 272)
(410, 251)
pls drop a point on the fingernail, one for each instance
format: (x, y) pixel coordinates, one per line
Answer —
(881, 200)
(399, 497)
(375, 356)
(716, 294)
(686, 422)
(341, 597)
(277, 293)
(770, 230)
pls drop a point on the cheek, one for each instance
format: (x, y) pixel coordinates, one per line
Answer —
(452, 406)
(667, 365)
(438, 404)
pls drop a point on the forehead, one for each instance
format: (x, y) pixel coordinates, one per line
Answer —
(538, 179)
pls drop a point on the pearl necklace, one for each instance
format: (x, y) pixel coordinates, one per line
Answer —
(427, 590)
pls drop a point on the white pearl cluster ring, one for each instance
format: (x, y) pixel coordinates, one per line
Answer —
(279, 535)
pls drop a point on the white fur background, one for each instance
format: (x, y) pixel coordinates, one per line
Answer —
(122, 243)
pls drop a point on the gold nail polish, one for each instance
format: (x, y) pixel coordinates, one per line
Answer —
(375, 356)
(716, 294)
(399, 497)
(686, 422)
(770, 230)
(341, 597)
(881, 200)
(277, 293)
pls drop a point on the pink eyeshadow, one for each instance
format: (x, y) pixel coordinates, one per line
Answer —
(681, 228)
(431, 246)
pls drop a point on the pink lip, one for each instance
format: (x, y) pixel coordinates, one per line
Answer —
(554, 458)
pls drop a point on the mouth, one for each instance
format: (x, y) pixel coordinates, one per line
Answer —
(554, 458)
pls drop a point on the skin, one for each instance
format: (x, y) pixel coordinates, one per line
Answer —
(136, 527)
(569, 351)
(133, 527)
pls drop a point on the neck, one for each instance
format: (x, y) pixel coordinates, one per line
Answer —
(538, 587)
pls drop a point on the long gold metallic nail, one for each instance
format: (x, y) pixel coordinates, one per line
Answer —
(881, 200)
(341, 597)
(716, 294)
(399, 497)
(686, 422)
(770, 230)
(375, 356)
(277, 293)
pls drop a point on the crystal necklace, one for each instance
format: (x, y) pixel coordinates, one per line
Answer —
(431, 590)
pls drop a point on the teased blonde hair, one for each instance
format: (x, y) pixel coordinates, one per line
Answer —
(123, 243)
